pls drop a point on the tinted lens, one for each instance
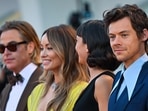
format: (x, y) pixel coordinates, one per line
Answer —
(12, 47)
(2, 48)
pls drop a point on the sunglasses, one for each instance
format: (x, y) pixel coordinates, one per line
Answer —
(12, 46)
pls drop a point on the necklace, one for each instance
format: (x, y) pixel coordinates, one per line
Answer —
(54, 86)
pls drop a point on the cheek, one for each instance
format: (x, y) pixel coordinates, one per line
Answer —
(77, 47)
(41, 54)
(55, 64)
(82, 57)
(58, 62)
(111, 44)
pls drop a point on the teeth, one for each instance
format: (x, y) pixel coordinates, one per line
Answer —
(45, 61)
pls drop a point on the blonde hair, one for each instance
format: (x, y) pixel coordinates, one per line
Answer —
(63, 40)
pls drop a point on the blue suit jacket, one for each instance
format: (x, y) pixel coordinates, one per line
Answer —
(139, 99)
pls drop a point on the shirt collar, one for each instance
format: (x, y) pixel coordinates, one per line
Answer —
(132, 72)
(28, 70)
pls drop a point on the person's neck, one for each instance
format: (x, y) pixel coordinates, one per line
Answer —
(57, 78)
(131, 61)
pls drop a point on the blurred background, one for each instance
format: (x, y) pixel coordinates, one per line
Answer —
(46, 13)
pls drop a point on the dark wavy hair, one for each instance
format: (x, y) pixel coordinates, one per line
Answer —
(136, 15)
(93, 34)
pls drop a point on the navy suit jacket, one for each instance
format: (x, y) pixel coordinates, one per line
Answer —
(139, 98)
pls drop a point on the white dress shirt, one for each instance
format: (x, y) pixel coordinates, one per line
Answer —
(18, 89)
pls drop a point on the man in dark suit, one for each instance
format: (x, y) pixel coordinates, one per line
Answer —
(128, 31)
(19, 46)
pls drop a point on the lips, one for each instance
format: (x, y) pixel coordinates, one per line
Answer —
(45, 62)
(118, 51)
(8, 60)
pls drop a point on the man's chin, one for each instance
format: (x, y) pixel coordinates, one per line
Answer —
(10, 67)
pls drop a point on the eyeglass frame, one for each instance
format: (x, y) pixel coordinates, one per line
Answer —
(10, 45)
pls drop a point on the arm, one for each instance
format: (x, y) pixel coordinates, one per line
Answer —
(103, 86)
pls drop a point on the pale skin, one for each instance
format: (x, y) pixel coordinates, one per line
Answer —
(103, 84)
(14, 60)
(50, 60)
(124, 42)
(82, 50)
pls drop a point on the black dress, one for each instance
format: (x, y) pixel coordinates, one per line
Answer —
(86, 101)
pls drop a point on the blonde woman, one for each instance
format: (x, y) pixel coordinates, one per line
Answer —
(64, 78)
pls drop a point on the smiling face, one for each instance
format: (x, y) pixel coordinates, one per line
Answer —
(50, 59)
(15, 60)
(124, 41)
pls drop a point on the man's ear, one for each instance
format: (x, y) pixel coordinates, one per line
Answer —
(145, 34)
(30, 47)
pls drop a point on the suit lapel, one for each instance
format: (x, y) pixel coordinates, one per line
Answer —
(121, 104)
(4, 96)
(33, 81)
(113, 96)
(140, 81)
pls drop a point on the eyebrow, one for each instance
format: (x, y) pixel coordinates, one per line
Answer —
(48, 44)
(45, 44)
(10, 42)
(124, 31)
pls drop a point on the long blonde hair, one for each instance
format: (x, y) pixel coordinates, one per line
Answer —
(63, 40)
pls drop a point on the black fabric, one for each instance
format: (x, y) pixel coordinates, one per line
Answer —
(4, 80)
(15, 79)
(86, 101)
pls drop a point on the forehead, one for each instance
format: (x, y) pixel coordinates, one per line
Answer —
(44, 39)
(120, 26)
(10, 35)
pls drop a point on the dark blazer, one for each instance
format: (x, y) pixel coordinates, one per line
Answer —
(139, 98)
(5, 72)
(22, 105)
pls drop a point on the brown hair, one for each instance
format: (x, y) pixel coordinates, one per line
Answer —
(63, 40)
(136, 15)
(28, 34)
